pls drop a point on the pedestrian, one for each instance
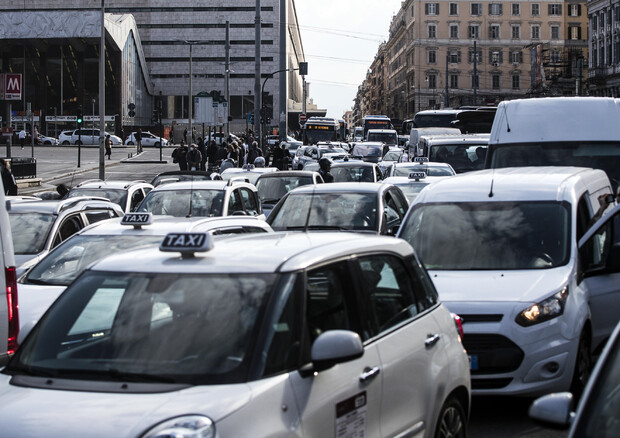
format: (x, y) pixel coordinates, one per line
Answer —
(185, 134)
(211, 154)
(172, 135)
(254, 153)
(194, 158)
(277, 157)
(286, 157)
(179, 155)
(202, 148)
(108, 146)
(139, 140)
(325, 167)
(8, 180)
(22, 138)
(37, 139)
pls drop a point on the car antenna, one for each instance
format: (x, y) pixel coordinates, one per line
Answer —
(507, 124)
(492, 181)
(309, 209)
(191, 196)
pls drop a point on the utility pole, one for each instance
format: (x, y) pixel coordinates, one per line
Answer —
(475, 78)
(446, 101)
(102, 95)
(257, 96)
(188, 140)
(283, 78)
(227, 69)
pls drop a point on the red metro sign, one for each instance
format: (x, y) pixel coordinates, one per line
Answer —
(11, 86)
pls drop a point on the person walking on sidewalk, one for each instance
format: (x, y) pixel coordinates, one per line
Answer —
(108, 146)
(8, 180)
(139, 140)
(22, 137)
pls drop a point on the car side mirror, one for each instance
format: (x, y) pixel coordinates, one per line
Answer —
(553, 410)
(333, 347)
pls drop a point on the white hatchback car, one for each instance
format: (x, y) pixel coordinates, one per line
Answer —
(148, 139)
(502, 249)
(322, 333)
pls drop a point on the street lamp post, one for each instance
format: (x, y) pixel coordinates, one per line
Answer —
(262, 92)
(191, 97)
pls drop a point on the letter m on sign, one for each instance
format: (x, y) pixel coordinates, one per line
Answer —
(12, 86)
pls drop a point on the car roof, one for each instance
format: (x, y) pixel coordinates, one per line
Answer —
(340, 187)
(111, 184)
(279, 252)
(456, 139)
(287, 173)
(513, 184)
(194, 185)
(352, 163)
(423, 163)
(383, 130)
(58, 206)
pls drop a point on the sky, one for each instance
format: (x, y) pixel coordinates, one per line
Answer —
(340, 40)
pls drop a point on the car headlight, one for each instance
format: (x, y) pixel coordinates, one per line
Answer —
(545, 310)
(187, 426)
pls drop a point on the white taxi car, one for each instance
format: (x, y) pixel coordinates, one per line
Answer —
(42, 284)
(322, 335)
(502, 249)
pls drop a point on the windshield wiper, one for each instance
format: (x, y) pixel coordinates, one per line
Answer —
(42, 282)
(116, 375)
(270, 201)
(29, 371)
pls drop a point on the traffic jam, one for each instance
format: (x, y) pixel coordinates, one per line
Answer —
(360, 281)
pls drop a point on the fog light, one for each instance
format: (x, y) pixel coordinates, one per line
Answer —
(552, 367)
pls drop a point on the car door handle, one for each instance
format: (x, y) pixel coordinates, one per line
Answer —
(431, 340)
(369, 374)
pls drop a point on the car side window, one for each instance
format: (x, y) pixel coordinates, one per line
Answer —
(98, 215)
(249, 201)
(234, 203)
(388, 296)
(136, 199)
(583, 217)
(392, 217)
(71, 225)
(601, 252)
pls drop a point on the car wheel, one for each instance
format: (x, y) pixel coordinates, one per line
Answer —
(47, 142)
(156, 144)
(583, 365)
(130, 143)
(451, 422)
(66, 143)
(78, 142)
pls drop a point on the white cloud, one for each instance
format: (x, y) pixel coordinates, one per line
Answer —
(340, 39)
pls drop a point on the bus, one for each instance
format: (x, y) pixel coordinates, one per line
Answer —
(343, 132)
(318, 129)
(376, 122)
(435, 118)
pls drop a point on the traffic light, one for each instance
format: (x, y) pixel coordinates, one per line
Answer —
(131, 107)
(79, 118)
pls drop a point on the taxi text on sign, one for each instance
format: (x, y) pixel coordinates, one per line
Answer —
(11, 86)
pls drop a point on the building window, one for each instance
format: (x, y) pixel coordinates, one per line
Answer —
(574, 10)
(555, 57)
(454, 56)
(516, 82)
(431, 8)
(432, 57)
(454, 81)
(471, 56)
(516, 57)
(574, 32)
(535, 9)
(431, 78)
(432, 31)
(535, 32)
(555, 9)
(495, 9)
(515, 32)
(494, 32)
(454, 31)
(454, 9)
(476, 9)
(516, 9)
(495, 82)
(475, 81)
(555, 32)
(474, 31)
(495, 57)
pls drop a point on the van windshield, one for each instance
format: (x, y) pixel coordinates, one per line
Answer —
(490, 235)
(390, 138)
(604, 155)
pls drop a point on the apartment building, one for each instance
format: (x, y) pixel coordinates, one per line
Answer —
(604, 48)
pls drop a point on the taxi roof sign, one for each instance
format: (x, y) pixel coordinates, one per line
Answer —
(137, 219)
(187, 243)
(417, 175)
(420, 159)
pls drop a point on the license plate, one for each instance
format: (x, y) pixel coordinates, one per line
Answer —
(473, 362)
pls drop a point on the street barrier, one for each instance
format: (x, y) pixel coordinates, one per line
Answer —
(24, 168)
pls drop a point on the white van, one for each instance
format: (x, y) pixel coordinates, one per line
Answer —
(464, 152)
(502, 249)
(416, 133)
(9, 318)
(557, 131)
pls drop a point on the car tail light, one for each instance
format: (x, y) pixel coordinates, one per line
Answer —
(11, 299)
(458, 322)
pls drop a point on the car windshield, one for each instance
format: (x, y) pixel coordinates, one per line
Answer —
(352, 174)
(406, 169)
(490, 235)
(252, 176)
(118, 196)
(271, 190)
(337, 211)
(597, 155)
(411, 189)
(461, 158)
(393, 156)
(177, 202)
(331, 150)
(364, 150)
(61, 266)
(383, 137)
(165, 179)
(30, 231)
(149, 327)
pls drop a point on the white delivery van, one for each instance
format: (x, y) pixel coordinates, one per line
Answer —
(502, 248)
(9, 318)
(416, 133)
(557, 131)
(464, 152)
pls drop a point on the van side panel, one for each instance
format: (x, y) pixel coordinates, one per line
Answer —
(7, 259)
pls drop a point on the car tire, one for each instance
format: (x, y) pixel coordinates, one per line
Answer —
(78, 143)
(47, 142)
(583, 365)
(66, 143)
(451, 422)
(129, 143)
(157, 144)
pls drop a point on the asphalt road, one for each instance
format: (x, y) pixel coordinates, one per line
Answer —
(491, 417)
